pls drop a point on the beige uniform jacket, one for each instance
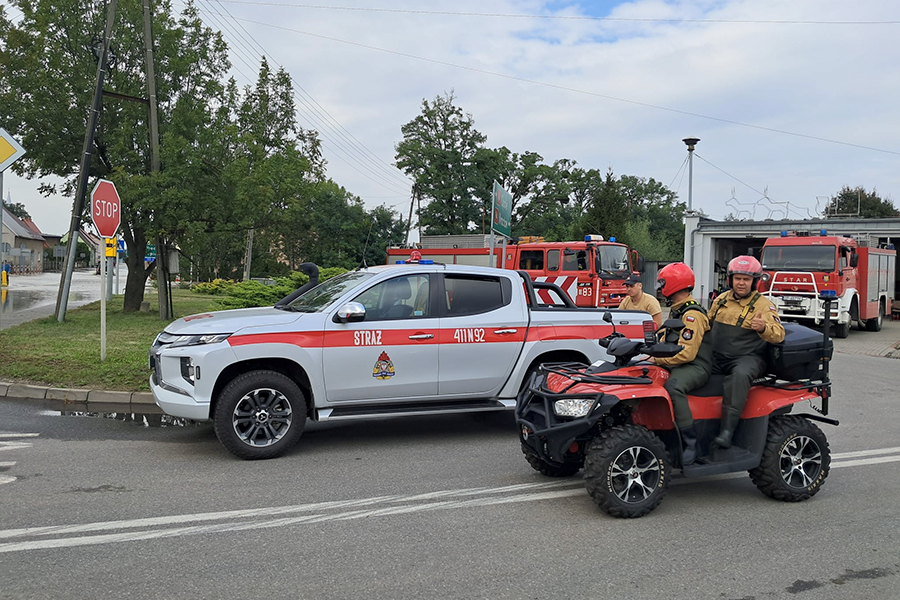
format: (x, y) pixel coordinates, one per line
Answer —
(647, 303)
(733, 308)
(696, 325)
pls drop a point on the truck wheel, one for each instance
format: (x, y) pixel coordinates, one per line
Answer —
(545, 468)
(874, 324)
(795, 460)
(626, 471)
(841, 330)
(260, 414)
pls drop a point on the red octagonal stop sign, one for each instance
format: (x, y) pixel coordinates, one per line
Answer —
(106, 208)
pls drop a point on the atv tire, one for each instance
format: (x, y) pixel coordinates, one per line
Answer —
(545, 468)
(626, 471)
(795, 460)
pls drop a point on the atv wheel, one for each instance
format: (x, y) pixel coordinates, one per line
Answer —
(626, 471)
(795, 460)
(260, 414)
(545, 468)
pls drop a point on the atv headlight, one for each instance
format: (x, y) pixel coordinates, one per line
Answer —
(573, 407)
(176, 341)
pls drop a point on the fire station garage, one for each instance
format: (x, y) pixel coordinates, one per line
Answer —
(709, 245)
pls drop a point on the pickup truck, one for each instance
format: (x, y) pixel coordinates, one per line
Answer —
(382, 341)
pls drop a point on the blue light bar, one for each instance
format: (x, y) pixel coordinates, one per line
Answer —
(612, 239)
(400, 262)
(427, 261)
(783, 233)
(823, 232)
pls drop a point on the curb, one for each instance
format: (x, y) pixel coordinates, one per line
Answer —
(138, 402)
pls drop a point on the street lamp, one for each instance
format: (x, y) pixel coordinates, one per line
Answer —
(691, 142)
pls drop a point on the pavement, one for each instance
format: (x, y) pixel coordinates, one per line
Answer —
(85, 288)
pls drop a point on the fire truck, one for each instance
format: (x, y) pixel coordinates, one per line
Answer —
(591, 271)
(798, 266)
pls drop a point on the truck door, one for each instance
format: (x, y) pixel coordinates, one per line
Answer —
(393, 353)
(482, 331)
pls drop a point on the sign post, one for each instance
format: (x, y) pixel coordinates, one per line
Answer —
(501, 218)
(10, 152)
(106, 212)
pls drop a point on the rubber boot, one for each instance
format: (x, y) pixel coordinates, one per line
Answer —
(730, 418)
(689, 447)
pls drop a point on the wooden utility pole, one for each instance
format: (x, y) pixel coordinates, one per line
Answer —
(249, 255)
(62, 299)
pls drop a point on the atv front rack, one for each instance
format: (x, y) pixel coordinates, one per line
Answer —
(580, 373)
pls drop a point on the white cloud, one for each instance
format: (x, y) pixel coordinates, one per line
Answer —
(831, 81)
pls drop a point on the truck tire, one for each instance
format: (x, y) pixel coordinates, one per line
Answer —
(626, 471)
(545, 468)
(260, 414)
(875, 323)
(841, 330)
(795, 460)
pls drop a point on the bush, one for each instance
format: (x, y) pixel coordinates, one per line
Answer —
(248, 294)
(216, 287)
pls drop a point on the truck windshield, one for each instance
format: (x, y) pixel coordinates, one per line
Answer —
(321, 296)
(613, 260)
(798, 258)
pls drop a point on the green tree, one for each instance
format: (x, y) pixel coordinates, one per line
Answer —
(18, 209)
(438, 152)
(869, 205)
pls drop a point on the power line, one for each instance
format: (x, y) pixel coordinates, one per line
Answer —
(571, 89)
(240, 52)
(559, 17)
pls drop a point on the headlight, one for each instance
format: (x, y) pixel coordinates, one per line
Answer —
(573, 407)
(175, 341)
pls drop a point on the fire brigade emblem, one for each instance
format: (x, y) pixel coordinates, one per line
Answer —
(384, 368)
(687, 334)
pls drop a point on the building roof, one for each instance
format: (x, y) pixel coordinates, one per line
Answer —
(19, 228)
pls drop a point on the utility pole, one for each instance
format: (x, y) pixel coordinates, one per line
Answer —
(65, 283)
(249, 255)
(691, 142)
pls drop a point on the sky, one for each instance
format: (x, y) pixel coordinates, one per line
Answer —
(791, 101)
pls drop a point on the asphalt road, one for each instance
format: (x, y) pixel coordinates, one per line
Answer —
(428, 508)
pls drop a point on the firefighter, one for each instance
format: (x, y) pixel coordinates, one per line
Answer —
(690, 368)
(744, 323)
(636, 299)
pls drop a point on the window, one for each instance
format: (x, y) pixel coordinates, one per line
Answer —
(553, 260)
(798, 258)
(472, 295)
(532, 260)
(398, 298)
(577, 261)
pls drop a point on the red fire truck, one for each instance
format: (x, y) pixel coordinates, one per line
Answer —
(798, 266)
(591, 271)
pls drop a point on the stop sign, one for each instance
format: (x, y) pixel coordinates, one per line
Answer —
(106, 208)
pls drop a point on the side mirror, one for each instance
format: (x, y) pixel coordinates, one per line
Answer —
(673, 324)
(854, 259)
(352, 312)
(607, 316)
(638, 261)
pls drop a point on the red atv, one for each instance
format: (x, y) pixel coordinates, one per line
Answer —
(615, 421)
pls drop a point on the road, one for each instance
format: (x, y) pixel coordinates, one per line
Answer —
(428, 508)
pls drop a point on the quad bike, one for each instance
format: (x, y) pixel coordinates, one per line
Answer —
(615, 421)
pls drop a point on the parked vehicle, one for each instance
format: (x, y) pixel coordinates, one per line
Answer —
(392, 340)
(615, 421)
(798, 267)
(591, 271)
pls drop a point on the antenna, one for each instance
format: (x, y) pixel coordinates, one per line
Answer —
(363, 265)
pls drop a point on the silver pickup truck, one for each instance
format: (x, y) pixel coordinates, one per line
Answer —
(383, 341)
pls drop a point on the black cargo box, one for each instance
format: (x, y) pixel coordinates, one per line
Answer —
(799, 356)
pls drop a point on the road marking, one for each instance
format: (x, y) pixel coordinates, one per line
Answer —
(6, 479)
(840, 455)
(18, 435)
(14, 445)
(347, 510)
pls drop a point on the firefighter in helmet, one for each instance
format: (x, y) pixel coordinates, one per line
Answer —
(743, 324)
(690, 368)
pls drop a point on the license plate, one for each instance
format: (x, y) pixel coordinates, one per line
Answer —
(792, 298)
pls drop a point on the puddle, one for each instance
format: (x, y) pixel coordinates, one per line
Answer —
(137, 419)
(16, 300)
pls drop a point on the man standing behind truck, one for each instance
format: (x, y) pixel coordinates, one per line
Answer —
(744, 323)
(636, 299)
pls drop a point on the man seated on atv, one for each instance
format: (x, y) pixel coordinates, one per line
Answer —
(690, 368)
(743, 324)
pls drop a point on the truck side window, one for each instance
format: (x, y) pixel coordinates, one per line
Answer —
(532, 260)
(473, 295)
(575, 262)
(553, 260)
(398, 298)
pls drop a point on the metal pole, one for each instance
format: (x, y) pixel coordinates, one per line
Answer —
(103, 309)
(65, 283)
(2, 265)
(691, 142)
(250, 255)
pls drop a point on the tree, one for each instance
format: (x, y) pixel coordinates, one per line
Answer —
(868, 205)
(18, 209)
(438, 152)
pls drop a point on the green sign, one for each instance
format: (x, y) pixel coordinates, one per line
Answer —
(150, 253)
(501, 215)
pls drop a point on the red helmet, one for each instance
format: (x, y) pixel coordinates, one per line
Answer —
(674, 278)
(744, 265)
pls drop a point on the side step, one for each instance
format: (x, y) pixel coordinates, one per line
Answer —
(400, 409)
(723, 461)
